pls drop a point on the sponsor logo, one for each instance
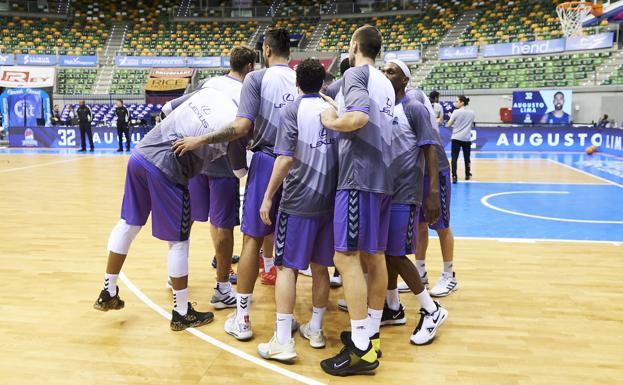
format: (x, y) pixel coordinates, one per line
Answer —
(323, 140)
(29, 138)
(285, 100)
(388, 108)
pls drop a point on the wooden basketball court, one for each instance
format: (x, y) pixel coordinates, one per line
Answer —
(527, 312)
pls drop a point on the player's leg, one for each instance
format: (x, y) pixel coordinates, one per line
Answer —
(254, 231)
(467, 149)
(421, 245)
(134, 213)
(89, 130)
(128, 143)
(83, 143)
(447, 282)
(350, 236)
(120, 138)
(456, 149)
(268, 275)
(224, 207)
(321, 258)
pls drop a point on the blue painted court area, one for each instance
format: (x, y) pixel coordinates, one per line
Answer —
(544, 210)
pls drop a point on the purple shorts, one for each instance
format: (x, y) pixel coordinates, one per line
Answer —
(361, 221)
(257, 181)
(301, 240)
(443, 222)
(401, 237)
(147, 189)
(217, 199)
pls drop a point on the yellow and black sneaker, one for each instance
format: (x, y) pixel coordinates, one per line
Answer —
(375, 340)
(107, 302)
(350, 361)
(192, 319)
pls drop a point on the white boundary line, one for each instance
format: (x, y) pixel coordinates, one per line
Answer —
(533, 240)
(485, 201)
(42, 164)
(585, 172)
(212, 341)
(536, 183)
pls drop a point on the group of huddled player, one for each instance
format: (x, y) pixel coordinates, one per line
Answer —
(342, 178)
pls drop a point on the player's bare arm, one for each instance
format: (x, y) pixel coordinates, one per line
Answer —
(431, 206)
(350, 121)
(282, 166)
(237, 129)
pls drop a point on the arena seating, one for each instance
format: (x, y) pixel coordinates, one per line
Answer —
(209, 73)
(75, 81)
(105, 113)
(129, 82)
(616, 78)
(295, 25)
(503, 22)
(80, 36)
(186, 39)
(523, 72)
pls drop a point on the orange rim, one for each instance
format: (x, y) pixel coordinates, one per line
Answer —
(596, 9)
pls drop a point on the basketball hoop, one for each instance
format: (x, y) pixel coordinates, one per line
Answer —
(572, 14)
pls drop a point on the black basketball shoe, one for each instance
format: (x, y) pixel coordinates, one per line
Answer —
(107, 302)
(192, 319)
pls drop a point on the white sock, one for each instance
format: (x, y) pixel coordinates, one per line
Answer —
(223, 287)
(243, 305)
(284, 328)
(359, 333)
(393, 299)
(374, 321)
(316, 320)
(268, 263)
(110, 283)
(447, 267)
(180, 301)
(426, 302)
(421, 267)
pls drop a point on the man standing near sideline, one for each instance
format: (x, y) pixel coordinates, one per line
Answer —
(84, 122)
(362, 202)
(123, 121)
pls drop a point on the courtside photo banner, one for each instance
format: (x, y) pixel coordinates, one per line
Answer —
(65, 137)
(543, 107)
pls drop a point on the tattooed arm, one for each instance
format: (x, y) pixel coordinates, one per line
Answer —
(237, 129)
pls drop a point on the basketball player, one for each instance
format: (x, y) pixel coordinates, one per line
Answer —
(157, 182)
(557, 115)
(307, 161)
(413, 141)
(265, 93)
(334, 91)
(215, 193)
(461, 122)
(447, 283)
(362, 200)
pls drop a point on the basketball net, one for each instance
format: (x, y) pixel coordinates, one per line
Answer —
(571, 15)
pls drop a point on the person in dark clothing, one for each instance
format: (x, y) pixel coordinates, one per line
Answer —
(123, 120)
(84, 122)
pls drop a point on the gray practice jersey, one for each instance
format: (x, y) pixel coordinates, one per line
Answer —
(462, 122)
(442, 158)
(205, 111)
(309, 188)
(364, 155)
(265, 93)
(412, 130)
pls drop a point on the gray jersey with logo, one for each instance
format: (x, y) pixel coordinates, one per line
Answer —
(364, 154)
(309, 188)
(205, 111)
(265, 93)
(442, 158)
(412, 130)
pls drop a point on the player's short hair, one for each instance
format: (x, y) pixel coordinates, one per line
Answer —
(559, 93)
(344, 66)
(464, 99)
(278, 39)
(240, 57)
(120, 100)
(370, 41)
(434, 95)
(310, 75)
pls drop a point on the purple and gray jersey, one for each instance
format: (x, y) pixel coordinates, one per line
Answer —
(364, 154)
(442, 158)
(230, 86)
(309, 188)
(203, 112)
(334, 91)
(412, 130)
(265, 93)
